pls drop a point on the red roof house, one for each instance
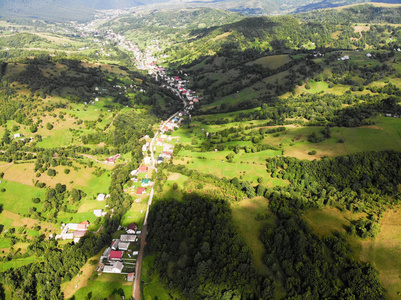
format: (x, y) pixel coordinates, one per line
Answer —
(111, 160)
(116, 255)
(79, 233)
(140, 191)
(143, 169)
(133, 226)
(83, 225)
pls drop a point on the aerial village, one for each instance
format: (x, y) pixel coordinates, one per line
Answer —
(121, 256)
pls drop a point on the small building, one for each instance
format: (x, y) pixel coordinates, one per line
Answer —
(83, 225)
(140, 190)
(116, 255)
(133, 172)
(79, 233)
(106, 254)
(128, 238)
(117, 267)
(145, 182)
(143, 169)
(166, 154)
(17, 135)
(111, 160)
(159, 142)
(123, 246)
(98, 212)
(135, 253)
(147, 160)
(115, 244)
(133, 226)
(130, 277)
(160, 159)
(101, 197)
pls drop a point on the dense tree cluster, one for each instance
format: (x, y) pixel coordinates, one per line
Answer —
(199, 252)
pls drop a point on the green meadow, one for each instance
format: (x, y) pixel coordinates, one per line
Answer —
(151, 287)
(17, 197)
(15, 263)
(104, 286)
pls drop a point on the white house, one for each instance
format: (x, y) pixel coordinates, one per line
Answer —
(101, 197)
(123, 246)
(147, 160)
(117, 267)
(98, 212)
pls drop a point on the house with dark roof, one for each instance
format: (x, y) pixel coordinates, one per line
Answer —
(133, 226)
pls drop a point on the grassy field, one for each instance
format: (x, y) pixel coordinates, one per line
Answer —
(272, 62)
(136, 213)
(82, 178)
(15, 263)
(244, 215)
(17, 197)
(384, 252)
(151, 287)
(219, 167)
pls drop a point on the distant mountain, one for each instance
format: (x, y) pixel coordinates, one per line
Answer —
(338, 3)
(118, 4)
(64, 10)
(49, 10)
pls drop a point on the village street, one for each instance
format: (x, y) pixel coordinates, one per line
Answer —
(137, 283)
(146, 61)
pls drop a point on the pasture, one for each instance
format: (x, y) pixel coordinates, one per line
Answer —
(17, 197)
(151, 285)
(272, 62)
(384, 252)
(245, 214)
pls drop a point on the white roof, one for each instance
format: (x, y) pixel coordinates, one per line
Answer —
(101, 197)
(98, 212)
(123, 245)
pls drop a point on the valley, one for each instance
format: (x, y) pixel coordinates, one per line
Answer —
(256, 157)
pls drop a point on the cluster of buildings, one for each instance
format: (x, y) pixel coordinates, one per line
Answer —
(73, 231)
(120, 256)
(176, 83)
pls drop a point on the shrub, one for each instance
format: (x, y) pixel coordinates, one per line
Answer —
(51, 172)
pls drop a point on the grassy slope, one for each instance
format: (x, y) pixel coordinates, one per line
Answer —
(382, 252)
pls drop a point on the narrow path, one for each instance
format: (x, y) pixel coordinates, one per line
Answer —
(92, 158)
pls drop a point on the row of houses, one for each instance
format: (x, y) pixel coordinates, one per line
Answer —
(118, 258)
